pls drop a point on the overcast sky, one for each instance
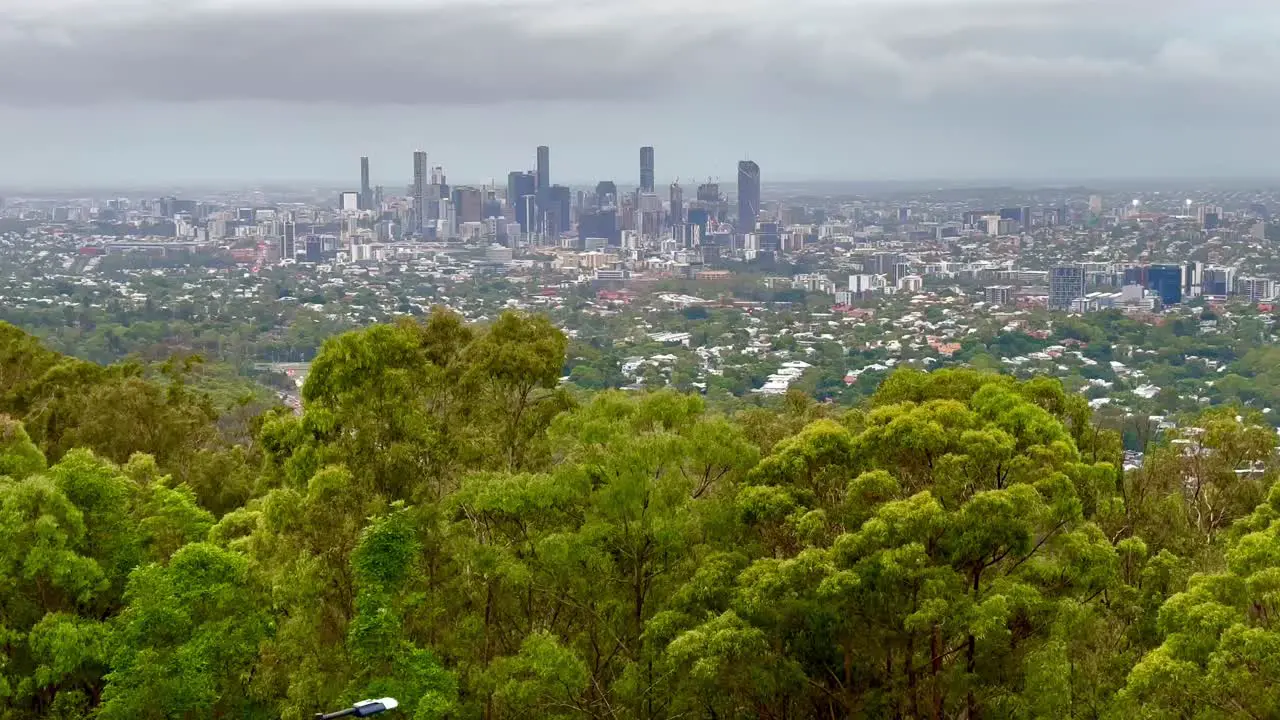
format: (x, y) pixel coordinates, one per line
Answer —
(137, 92)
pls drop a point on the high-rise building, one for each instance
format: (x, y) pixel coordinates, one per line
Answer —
(999, 294)
(1217, 281)
(420, 178)
(1255, 288)
(313, 248)
(544, 167)
(1066, 283)
(543, 171)
(646, 169)
(677, 204)
(468, 204)
(1166, 282)
(769, 237)
(446, 219)
(1020, 215)
(606, 193)
(709, 192)
(366, 191)
(700, 217)
(748, 195)
(601, 223)
(555, 213)
(522, 188)
(437, 190)
(288, 239)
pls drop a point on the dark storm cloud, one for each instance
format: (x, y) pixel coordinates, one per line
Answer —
(472, 52)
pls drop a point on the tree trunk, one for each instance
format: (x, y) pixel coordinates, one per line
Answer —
(913, 710)
(935, 651)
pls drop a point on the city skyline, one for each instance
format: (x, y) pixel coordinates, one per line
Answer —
(133, 92)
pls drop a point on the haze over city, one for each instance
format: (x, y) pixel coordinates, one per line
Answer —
(139, 92)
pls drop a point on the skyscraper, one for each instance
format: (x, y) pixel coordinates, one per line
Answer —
(543, 176)
(366, 191)
(468, 204)
(606, 193)
(288, 239)
(420, 178)
(748, 195)
(646, 169)
(522, 188)
(1066, 283)
(544, 168)
(677, 204)
(437, 190)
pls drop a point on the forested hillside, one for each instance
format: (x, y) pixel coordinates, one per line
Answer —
(447, 525)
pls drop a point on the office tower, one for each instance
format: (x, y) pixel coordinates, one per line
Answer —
(709, 192)
(677, 204)
(700, 217)
(602, 223)
(1020, 215)
(769, 237)
(420, 190)
(468, 203)
(544, 167)
(366, 191)
(1066, 283)
(649, 214)
(288, 239)
(437, 190)
(646, 169)
(349, 201)
(606, 194)
(686, 235)
(492, 208)
(543, 171)
(313, 248)
(975, 218)
(527, 213)
(1165, 281)
(446, 219)
(748, 195)
(1217, 281)
(522, 189)
(556, 212)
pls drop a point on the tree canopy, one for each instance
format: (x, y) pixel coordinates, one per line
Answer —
(446, 524)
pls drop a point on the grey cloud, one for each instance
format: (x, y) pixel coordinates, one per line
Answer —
(467, 53)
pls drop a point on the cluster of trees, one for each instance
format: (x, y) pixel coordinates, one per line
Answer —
(444, 523)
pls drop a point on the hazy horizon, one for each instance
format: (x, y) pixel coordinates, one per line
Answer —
(147, 92)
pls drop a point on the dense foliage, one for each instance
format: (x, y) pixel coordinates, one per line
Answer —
(444, 523)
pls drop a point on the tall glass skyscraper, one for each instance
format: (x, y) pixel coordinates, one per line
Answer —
(748, 195)
(646, 169)
(420, 178)
(366, 191)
